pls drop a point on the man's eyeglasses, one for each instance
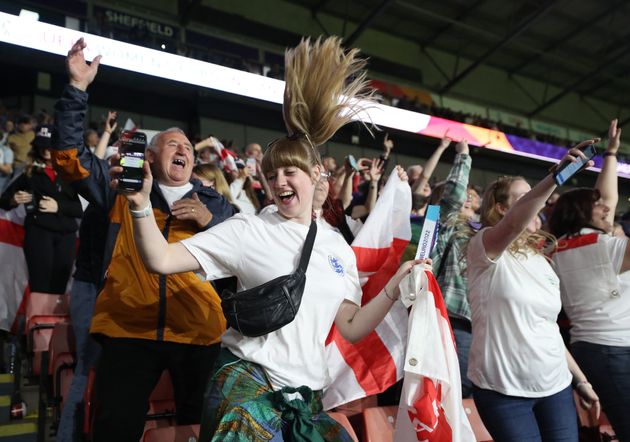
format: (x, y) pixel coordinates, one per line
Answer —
(324, 176)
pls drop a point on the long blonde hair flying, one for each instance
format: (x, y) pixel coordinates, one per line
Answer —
(325, 87)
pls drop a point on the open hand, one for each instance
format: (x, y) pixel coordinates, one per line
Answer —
(193, 209)
(80, 73)
(111, 116)
(376, 170)
(614, 137)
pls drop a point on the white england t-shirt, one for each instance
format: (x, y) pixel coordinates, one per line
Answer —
(258, 249)
(516, 346)
(595, 296)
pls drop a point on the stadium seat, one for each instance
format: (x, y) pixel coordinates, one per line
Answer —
(161, 404)
(378, 423)
(88, 402)
(605, 428)
(43, 311)
(161, 412)
(62, 362)
(585, 419)
(481, 434)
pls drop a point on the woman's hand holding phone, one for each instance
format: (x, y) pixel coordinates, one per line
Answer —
(576, 159)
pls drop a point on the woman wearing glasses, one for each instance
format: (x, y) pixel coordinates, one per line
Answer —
(252, 393)
(519, 367)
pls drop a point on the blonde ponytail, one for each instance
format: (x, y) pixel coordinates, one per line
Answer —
(325, 87)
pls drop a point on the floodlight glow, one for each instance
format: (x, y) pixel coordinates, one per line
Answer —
(29, 15)
(53, 39)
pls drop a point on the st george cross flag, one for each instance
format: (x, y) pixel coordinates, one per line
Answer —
(376, 362)
(14, 275)
(430, 406)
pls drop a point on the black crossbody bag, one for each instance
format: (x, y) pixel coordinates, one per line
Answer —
(272, 305)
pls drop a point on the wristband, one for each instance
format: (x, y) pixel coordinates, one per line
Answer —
(141, 213)
(609, 154)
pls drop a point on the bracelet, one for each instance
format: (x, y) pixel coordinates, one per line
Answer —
(609, 154)
(141, 213)
(389, 297)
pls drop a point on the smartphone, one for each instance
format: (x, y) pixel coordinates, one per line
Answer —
(568, 169)
(353, 163)
(33, 206)
(131, 150)
(251, 166)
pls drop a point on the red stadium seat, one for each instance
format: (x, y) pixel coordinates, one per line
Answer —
(481, 434)
(605, 428)
(62, 361)
(43, 311)
(161, 412)
(161, 404)
(585, 419)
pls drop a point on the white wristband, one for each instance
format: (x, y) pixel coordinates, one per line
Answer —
(141, 213)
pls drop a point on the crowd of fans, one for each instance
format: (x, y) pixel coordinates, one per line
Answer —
(138, 306)
(274, 69)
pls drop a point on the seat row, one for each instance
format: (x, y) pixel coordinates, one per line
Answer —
(51, 359)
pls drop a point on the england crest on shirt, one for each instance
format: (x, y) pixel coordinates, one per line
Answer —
(336, 265)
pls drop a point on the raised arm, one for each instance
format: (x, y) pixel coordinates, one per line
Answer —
(71, 159)
(103, 142)
(345, 190)
(517, 217)
(454, 195)
(263, 180)
(430, 165)
(607, 179)
(374, 175)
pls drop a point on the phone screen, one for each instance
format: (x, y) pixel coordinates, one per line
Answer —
(567, 170)
(251, 166)
(353, 163)
(132, 147)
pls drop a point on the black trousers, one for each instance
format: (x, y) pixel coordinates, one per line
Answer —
(49, 258)
(128, 371)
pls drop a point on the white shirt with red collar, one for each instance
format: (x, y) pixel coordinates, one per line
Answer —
(588, 265)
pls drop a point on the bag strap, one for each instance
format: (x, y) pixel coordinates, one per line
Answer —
(308, 246)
